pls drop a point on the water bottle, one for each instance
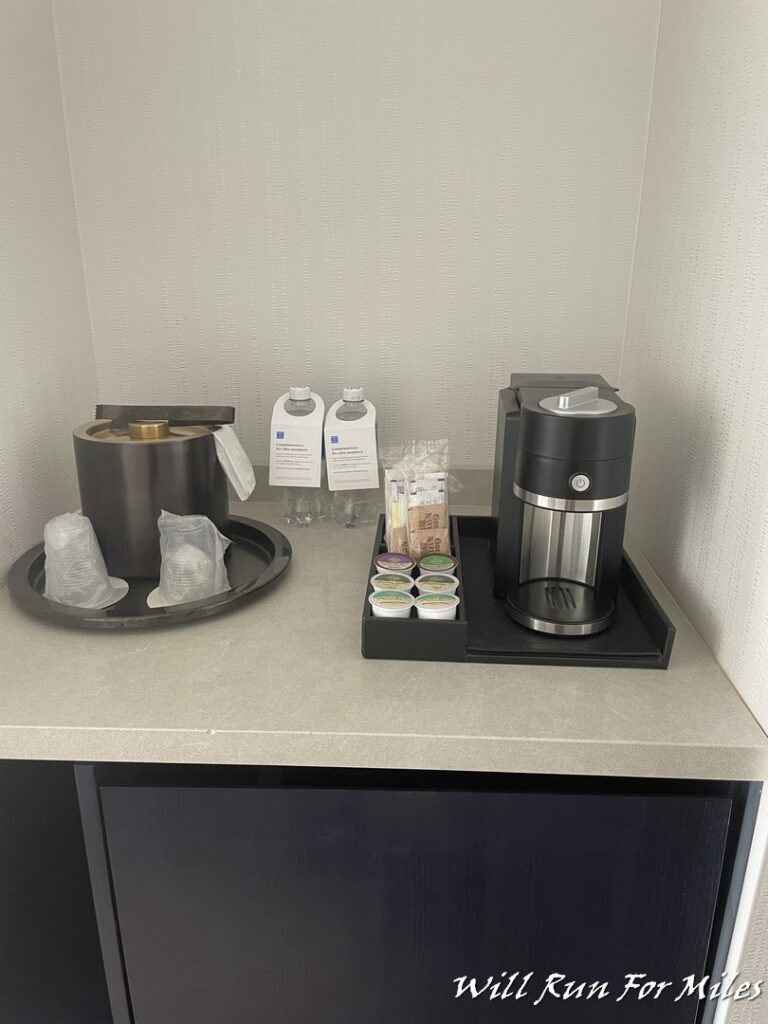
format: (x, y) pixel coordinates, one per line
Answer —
(300, 401)
(301, 506)
(361, 507)
(352, 404)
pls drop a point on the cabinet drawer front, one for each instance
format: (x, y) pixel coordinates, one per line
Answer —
(332, 906)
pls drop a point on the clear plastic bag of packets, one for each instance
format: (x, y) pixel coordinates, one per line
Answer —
(416, 486)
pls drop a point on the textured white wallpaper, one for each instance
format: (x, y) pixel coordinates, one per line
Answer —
(754, 962)
(696, 354)
(421, 195)
(48, 372)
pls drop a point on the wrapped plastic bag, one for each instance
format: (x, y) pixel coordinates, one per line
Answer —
(416, 485)
(192, 552)
(234, 460)
(75, 573)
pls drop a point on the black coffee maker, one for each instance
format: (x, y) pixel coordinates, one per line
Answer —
(560, 488)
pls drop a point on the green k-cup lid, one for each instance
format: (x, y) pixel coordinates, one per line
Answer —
(437, 600)
(391, 598)
(437, 563)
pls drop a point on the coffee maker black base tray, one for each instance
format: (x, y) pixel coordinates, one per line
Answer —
(256, 559)
(641, 635)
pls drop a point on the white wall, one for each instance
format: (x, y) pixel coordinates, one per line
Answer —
(419, 194)
(696, 356)
(48, 371)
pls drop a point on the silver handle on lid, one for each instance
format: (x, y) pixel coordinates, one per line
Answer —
(581, 402)
(578, 399)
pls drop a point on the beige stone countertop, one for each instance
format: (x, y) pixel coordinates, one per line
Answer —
(281, 681)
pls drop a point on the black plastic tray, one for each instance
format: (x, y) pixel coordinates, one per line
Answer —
(640, 637)
(256, 559)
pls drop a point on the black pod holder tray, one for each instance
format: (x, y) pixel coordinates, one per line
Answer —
(257, 557)
(640, 636)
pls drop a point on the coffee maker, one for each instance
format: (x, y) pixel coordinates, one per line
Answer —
(560, 488)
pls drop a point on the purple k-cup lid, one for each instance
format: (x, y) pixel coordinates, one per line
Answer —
(393, 561)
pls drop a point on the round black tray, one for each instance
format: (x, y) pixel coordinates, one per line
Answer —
(256, 559)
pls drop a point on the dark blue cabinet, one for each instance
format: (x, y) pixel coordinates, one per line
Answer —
(302, 904)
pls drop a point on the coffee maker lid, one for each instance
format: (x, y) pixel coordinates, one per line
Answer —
(581, 402)
(593, 427)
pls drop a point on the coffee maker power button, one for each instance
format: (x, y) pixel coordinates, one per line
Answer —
(579, 482)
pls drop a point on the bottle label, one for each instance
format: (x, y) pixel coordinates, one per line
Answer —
(351, 452)
(296, 446)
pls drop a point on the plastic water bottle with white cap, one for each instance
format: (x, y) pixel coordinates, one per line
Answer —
(300, 401)
(358, 507)
(300, 505)
(352, 404)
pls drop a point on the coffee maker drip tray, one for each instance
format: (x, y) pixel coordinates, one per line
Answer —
(639, 635)
(560, 607)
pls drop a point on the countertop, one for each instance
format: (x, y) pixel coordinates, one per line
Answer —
(282, 681)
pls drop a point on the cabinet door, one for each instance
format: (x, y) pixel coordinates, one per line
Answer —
(50, 964)
(302, 906)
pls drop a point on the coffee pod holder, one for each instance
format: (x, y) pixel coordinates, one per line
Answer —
(641, 635)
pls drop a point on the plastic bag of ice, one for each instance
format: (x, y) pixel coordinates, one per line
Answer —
(192, 552)
(75, 573)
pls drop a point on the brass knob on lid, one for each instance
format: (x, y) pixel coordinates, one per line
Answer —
(148, 430)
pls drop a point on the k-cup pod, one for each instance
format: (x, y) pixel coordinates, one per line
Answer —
(392, 581)
(436, 606)
(391, 604)
(392, 561)
(437, 583)
(437, 563)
